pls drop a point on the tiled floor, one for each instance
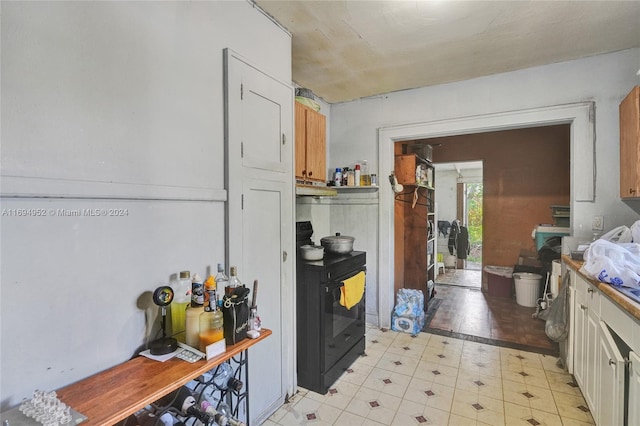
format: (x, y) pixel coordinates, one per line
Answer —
(435, 380)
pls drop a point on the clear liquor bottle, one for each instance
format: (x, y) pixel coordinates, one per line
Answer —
(222, 280)
(234, 282)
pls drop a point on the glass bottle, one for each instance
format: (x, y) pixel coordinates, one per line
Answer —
(254, 320)
(181, 299)
(365, 178)
(234, 282)
(222, 280)
(211, 323)
(192, 327)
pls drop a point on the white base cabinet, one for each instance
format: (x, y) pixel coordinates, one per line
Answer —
(598, 365)
(634, 389)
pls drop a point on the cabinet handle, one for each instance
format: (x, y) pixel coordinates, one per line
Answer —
(611, 362)
(632, 191)
(284, 256)
(310, 173)
(583, 307)
(284, 139)
(589, 290)
(304, 173)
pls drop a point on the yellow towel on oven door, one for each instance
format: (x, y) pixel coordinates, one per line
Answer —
(352, 290)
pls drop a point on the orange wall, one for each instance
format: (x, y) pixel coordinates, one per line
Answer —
(525, 171)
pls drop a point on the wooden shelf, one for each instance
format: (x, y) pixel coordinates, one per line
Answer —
(370, 188)
(114, 394)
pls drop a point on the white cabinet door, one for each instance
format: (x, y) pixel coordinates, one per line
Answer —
(634, 389)
(610, 380)
(591, 366)
(580, 338)
(263, 258)
(262, 125)
(260, 217)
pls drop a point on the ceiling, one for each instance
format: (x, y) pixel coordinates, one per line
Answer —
(346, 50)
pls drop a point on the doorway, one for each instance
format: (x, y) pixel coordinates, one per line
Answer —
(582, 170)
(459, 200)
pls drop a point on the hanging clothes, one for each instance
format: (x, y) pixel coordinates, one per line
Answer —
(443, 227)
(462, 246)
(453, 237)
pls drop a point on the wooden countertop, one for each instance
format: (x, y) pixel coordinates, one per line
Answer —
(625, 303)
(114, 394)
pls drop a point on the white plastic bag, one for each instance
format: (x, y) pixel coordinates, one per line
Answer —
(621, 234)
(635, 231)
(616, 264)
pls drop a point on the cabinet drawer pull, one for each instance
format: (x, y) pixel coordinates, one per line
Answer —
(589, 290)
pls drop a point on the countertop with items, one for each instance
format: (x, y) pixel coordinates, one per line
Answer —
(626, 303)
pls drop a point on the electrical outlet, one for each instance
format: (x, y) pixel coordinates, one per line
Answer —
(598, 223)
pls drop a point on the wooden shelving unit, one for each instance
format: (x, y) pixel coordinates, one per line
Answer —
(415, 224)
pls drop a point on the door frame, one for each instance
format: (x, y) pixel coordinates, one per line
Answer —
(581, 117)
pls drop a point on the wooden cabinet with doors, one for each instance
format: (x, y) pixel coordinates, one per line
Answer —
(415, 230)
(311, 135)
(630, 145)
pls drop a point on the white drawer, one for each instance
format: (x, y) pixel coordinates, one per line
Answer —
(623, 324)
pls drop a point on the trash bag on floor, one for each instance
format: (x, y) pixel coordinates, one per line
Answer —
(408, 314)
(557, 325)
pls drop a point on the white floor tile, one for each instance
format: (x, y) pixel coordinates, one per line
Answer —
(436, 380)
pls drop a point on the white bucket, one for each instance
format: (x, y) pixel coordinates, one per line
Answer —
(556, 276)
(527, 288)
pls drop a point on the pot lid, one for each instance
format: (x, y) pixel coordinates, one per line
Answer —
(337, 237)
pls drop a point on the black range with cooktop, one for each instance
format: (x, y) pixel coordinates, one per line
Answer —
(330, 336)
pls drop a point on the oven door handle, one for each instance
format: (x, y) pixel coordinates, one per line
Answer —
(344, 278)
(351, 274)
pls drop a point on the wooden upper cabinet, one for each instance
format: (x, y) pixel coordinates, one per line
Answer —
(301, 141)
(311, 144)
(630, 145)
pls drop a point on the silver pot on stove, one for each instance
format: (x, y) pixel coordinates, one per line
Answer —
(338, 244)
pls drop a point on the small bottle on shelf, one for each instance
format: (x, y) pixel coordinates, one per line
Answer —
(365, 178)
(192, 327)
(254, 319)
(211, 320)
(337, 177)
(178, 307)
(222, 280)
(357, 175)
(234, 282)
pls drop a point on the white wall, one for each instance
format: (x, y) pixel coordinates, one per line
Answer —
(117, 105)
(603, 79)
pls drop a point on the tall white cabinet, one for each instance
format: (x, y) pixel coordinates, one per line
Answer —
(260, 212)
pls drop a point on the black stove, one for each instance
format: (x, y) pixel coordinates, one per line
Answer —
(330, 337)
